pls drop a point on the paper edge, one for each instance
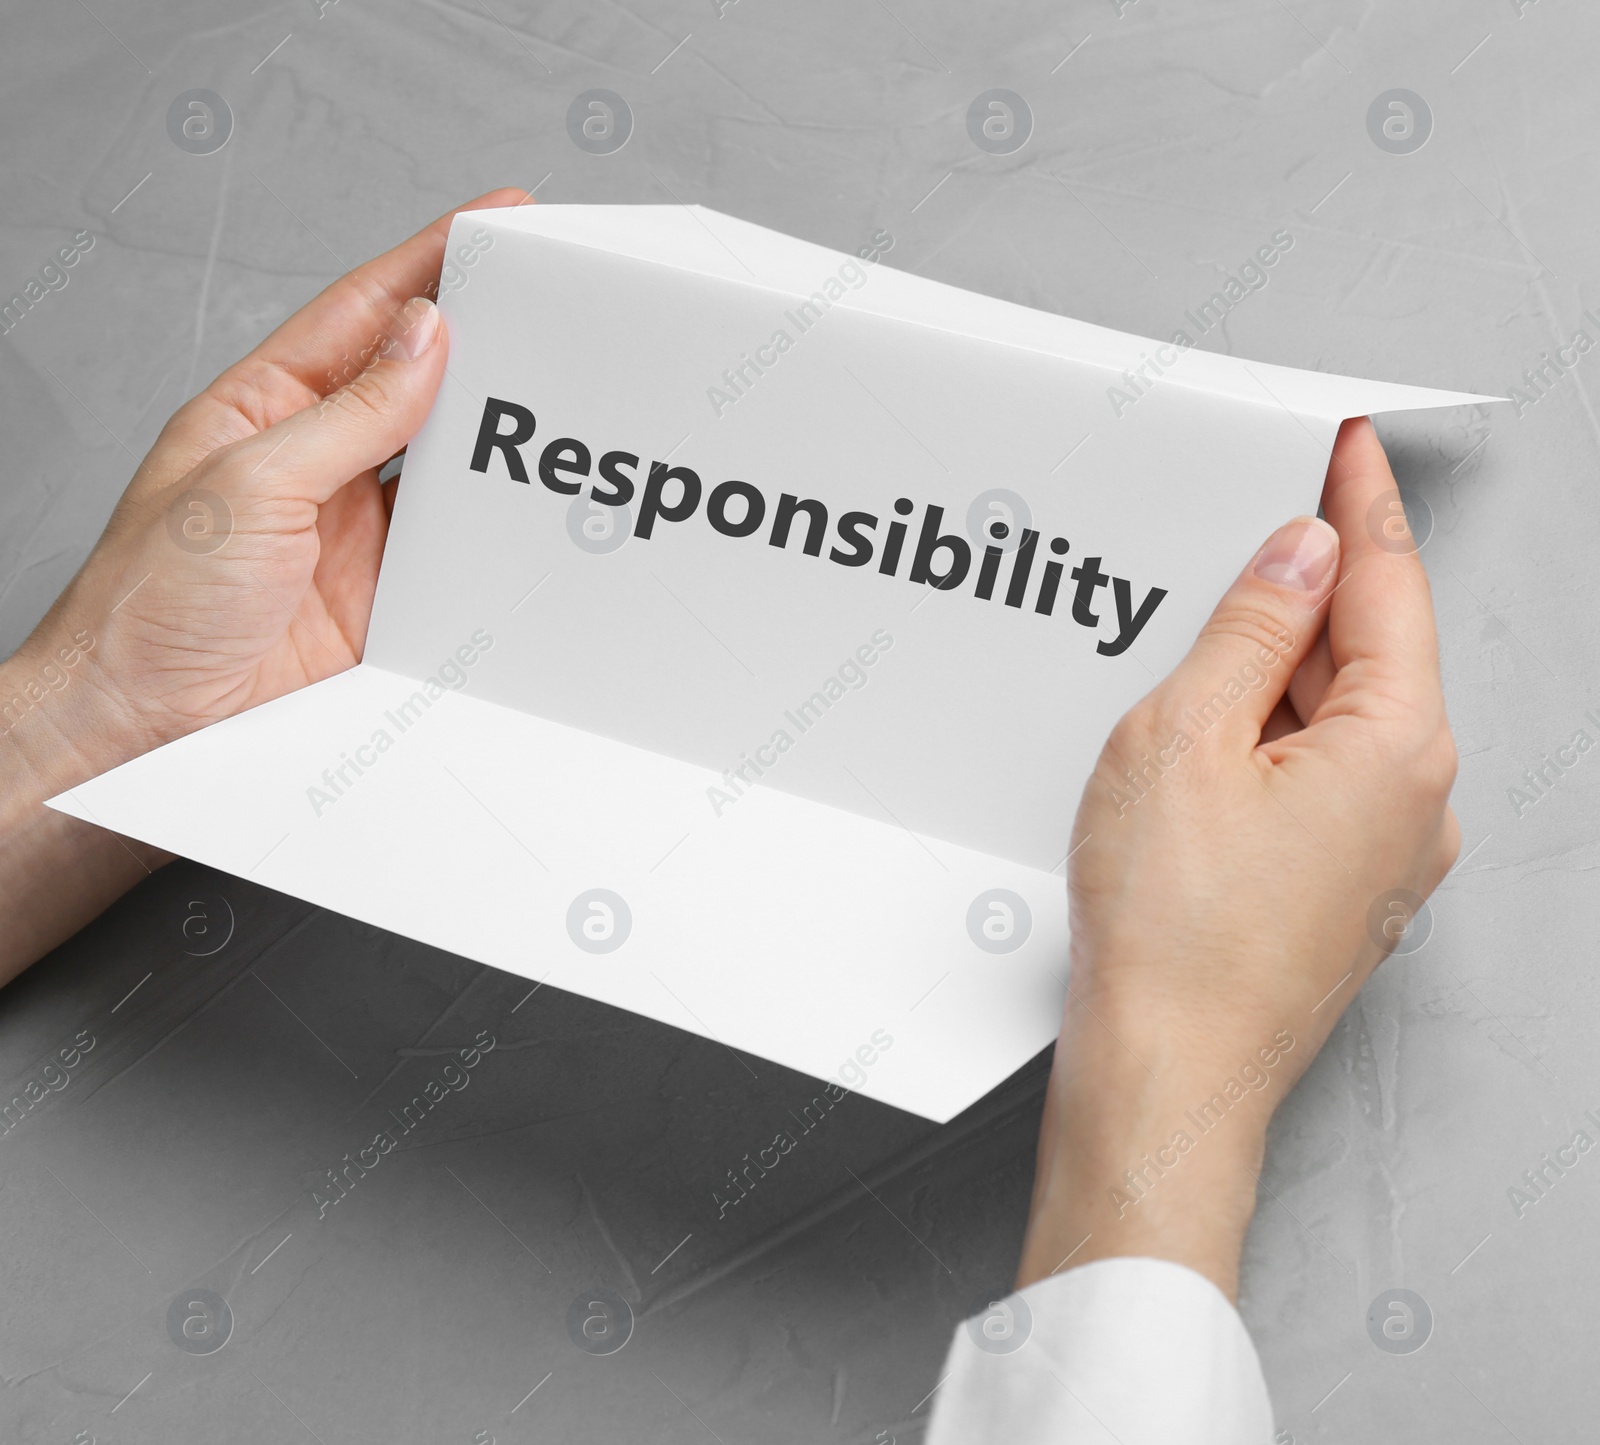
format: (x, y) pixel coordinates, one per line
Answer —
(1335, 407)
(71, 806)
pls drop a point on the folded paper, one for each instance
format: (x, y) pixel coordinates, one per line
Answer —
(751, 618)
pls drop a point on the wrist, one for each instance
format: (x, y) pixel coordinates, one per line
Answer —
(1151, 1144)
(56, 731)
(62, 721)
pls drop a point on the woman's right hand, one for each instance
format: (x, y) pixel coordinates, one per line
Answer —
(1257, 833)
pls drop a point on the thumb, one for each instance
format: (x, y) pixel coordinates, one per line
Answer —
(311, 454)
(1265, 625)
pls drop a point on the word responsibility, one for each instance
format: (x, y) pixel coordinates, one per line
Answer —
(738, 509)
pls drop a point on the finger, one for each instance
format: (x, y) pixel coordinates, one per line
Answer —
(322, 346)
(1311, 679)
(1381, 616)
(308, 456)
(1240, 665)
(352, 526)
(1282, 721)
(354, 314)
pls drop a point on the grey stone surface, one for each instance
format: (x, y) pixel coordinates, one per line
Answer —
(1170, 140)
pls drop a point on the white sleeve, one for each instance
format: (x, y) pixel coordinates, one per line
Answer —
(1117, 1352)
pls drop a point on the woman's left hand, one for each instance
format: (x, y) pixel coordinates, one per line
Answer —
(239, 565)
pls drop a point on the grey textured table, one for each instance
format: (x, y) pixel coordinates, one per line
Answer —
(184, 1152)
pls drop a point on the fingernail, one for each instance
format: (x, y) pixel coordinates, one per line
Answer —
(419, 325)
(1298, 554)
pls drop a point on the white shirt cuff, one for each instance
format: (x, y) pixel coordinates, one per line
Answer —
(1117, 1352)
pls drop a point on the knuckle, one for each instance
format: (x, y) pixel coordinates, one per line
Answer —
(1436, 765)
(1146, 751)
(366, 395)
(255, 391)
(1134, 729)
(262, 390)
(1414, 757)
(1174, 711)
(1250, 622)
